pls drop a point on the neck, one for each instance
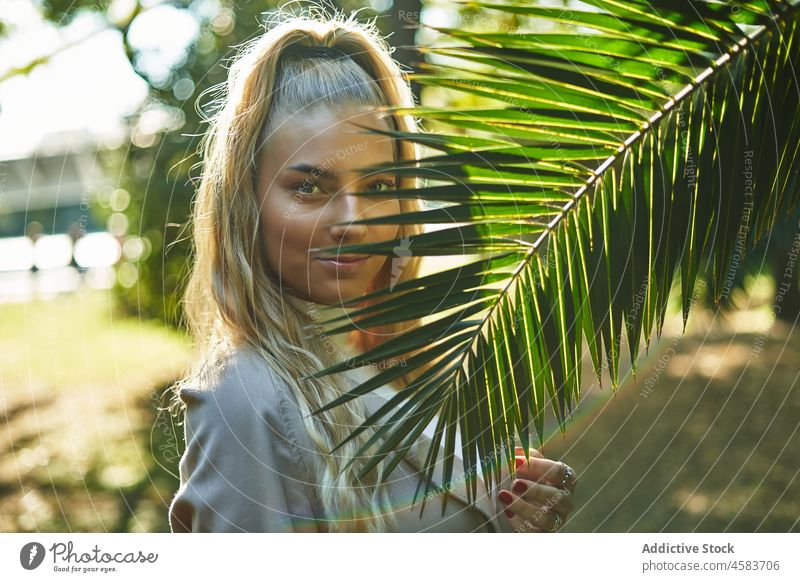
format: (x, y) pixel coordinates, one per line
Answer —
(340, 343)
(319, 312)
(319, 316)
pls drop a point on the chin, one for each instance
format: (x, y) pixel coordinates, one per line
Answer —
(343, 292)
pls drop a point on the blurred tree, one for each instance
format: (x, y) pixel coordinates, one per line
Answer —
(404, 22)
(159, 167)
(775, 256)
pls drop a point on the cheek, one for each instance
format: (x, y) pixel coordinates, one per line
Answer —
(287, 233)
(387, 231)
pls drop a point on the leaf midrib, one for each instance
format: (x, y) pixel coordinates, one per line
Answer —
(705, 76)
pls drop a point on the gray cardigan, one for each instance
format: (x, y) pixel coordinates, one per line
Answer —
(247, 466)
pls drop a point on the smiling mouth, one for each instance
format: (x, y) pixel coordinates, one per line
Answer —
(346, 258)
(345, 265)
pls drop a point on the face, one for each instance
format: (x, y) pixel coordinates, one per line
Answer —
(307, 175)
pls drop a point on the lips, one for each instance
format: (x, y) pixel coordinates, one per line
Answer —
(345, 265)
(346, 258)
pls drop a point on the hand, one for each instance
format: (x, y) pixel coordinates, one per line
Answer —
(539, 494)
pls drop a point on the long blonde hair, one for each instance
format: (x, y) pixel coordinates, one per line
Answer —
(231, 298)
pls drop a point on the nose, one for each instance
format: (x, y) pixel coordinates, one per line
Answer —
(345, 209)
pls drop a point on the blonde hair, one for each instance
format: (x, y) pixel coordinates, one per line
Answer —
(231, 298)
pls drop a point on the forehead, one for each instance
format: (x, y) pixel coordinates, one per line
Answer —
(329, 138)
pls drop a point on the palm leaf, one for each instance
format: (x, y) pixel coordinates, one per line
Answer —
(612, 163)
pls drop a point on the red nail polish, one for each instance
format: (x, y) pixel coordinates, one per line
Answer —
(509, 513)
(505, 497)
(519, 488)
(520, 462)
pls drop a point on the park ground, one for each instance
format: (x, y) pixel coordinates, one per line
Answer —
(711, 446)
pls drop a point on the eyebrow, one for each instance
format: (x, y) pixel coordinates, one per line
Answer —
(312, 169)
(324, 172)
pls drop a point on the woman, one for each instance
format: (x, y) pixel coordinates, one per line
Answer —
(282, 159)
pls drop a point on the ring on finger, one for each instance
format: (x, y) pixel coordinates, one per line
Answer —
(556, 524)
(568, 474)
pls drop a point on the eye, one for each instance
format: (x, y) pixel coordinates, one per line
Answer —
(306, 188)
(382, 185)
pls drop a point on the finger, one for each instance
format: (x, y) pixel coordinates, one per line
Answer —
(542, 521)
(520, 451)
(540, 469)
(555, 473)
(520, 458)
(536, 522)
(503, 500)
(527, 516)
(559, 499)
(516, 506)
(569, 477)
(550, 517)
(516, 521)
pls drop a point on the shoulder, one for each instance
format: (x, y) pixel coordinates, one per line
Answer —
(239, 376)
(241, 469)
(241, 407)
(238, 388)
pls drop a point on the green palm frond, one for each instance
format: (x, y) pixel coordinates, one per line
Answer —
(620, 154)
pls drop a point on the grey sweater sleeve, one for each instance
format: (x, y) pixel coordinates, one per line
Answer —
(239, 473)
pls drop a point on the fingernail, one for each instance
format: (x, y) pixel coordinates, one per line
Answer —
(519, 487)
(520, 462)
(509, 513)
(505, 497)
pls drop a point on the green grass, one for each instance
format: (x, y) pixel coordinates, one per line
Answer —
(704, 439)
(709, 449)
(80, 452)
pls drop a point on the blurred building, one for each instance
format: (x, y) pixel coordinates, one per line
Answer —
(52, 185)
(49, 236)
